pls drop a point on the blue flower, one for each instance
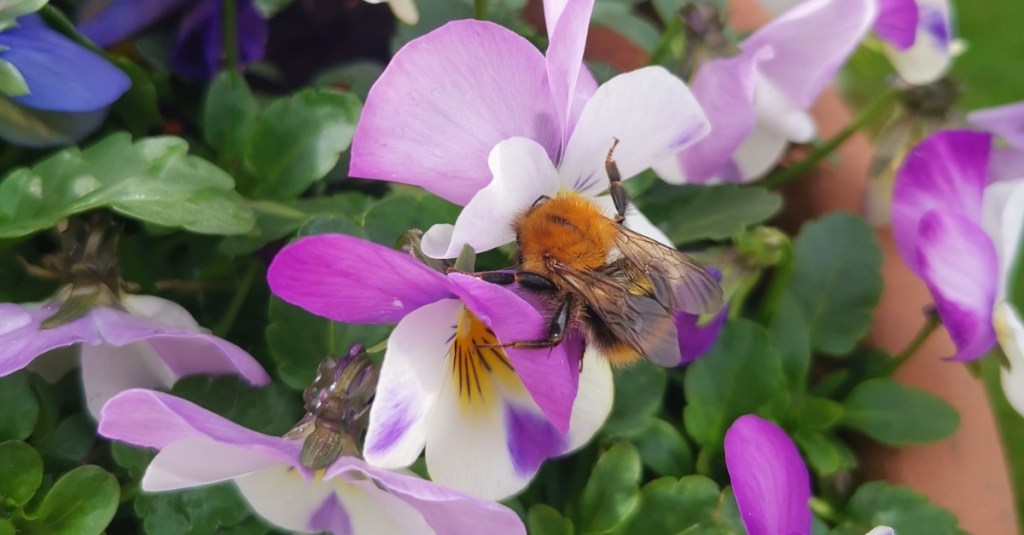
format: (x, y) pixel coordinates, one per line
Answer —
(199, 45)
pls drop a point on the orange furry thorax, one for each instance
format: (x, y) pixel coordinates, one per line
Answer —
(567, 228)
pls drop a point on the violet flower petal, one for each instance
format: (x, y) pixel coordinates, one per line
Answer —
(768, 477)
(108, 22)
(946, 172)
(958, 262)
(458, 91)
(897, 22)
(22, 340)
(564, 62)
(199, 47)
(652, 114)
(810, 43)
(929, 57)
(694, 339)
(522, 173)
(414, 369)
(1006, 122)
(60, 74)
(352, 280)
(286, 499)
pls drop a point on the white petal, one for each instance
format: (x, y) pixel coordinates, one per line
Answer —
(282, 497)
(880, 530)
(410, 378)
(635, 220)
(1010, 331)
(779, 122)
(593, 400)
(373, 510)
(108, 370)
(652, 114)
(405, 11)
(159, 310)
(55, 364)
(192, 462)
(670, 170)
(522, 173)
(929, 58)
(1002, 216)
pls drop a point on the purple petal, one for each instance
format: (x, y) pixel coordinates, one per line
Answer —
(22, 340)
(445, 510)
(725, 90)
(445, 100)
(156, 420)
(930, 56)
(695, 339)
(811, 42)
(199, 47)
(1006, 122)
(331, 517)
(60, 75)
(550, 375)
(946, 172)
(897, 22)
(768, 477)
(958, 261)
(108, 22)
(564, 61)
(531, 439)
(352, 280)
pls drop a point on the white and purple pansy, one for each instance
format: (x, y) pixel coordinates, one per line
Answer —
(487, 416)
(769, 479)
(925, 56)
(146, 342)
(758, 102)
(477, 115)
(349, 497)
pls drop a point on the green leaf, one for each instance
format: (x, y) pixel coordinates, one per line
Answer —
(81, 502)
(663, 449)
(21, 472)
(72, 439)
(907, 512)
(298, 341)
(639, 390)
(695, 213)
(272, 410)
(546, 520)
(276, 220)
(612, 494)
(297, 140)
(386, 220)
(209, 509)
(792, 339)
(898, 415)
(818, 413)
(826, 454)
(621, 19)
(836, 280)
(12, 83)
(152, 180)
(20, 408)
(7, 528)
(739, 375)
(139, 108)
(689, 505)
(270, 7)
(228, 116)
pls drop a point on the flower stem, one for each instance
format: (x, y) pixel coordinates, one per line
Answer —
(235, 306)
(867, 116)
(664, 47)
(229, 14)
(480, 8)
(932, 322)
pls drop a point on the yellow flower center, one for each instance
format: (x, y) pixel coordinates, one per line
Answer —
(479, 364)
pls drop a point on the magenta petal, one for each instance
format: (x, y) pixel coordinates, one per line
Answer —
(725, 90)
(445, 100)
(811, 42)
(549, 375)
(897, 22)
(352, 280)
(958, 261)
(1005, 121)
(564, 61)
(155, 420)
(946, 172)
(21, 339)
(445, 510)
(694, 339)
(768, 477)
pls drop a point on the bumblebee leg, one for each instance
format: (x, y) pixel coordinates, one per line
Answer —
(557, 328)
(526, 279)
(615, 188)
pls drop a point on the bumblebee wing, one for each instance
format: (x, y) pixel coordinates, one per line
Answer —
(639, 321)
(679, 282)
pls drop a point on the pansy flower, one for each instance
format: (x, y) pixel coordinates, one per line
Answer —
(923, 55)
(758, 101)
(477, 115)
(55, 91)
(958, 213)
(769, 479)
(198, 51)
(487, 416)
(349, 497)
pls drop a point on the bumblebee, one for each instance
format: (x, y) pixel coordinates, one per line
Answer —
(621, 288)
